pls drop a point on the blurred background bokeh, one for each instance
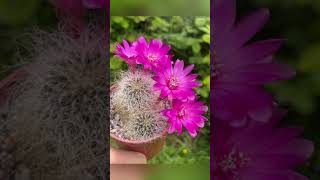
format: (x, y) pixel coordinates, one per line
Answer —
(16, 19)
(189, 38)
(297, 21)
(160, 8)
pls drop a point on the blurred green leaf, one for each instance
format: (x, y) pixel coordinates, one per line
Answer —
(115, 63)
(17, 11)
(200, 21)
(310, 59)
(121, 21)
(196, 47)
(159, 23)
(206, 38)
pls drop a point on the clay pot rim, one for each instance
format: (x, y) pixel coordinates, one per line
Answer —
(136, 142)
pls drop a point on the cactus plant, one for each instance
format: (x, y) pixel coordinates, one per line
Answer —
(153, 97)
(135, 112)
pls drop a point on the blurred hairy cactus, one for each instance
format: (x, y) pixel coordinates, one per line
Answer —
(7, 160)
(58, 112)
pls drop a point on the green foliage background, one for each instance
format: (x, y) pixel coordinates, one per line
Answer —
(189, 38)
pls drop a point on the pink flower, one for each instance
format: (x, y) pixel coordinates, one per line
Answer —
(151, 55)
(261, 151)
(127, 52)
(189, 114)
(174, 81)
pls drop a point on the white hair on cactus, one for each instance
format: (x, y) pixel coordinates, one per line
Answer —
(64, 102)
(134, 90)
(135, 110)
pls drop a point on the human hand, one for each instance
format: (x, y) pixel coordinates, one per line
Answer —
(118, 156)
(121, 162)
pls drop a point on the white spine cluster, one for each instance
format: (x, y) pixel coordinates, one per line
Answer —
(135, 109)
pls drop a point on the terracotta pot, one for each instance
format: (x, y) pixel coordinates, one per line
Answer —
(149, 147)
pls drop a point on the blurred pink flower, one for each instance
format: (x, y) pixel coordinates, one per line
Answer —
(151, 54)
(258, 152)
(94, 4)
(73, 12)
(241, 69)
(189, 114)
(173, 81)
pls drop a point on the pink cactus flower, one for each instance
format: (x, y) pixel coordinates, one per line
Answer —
(126, 52)
(261, 151)
(188, 114)
(173, 81)
(151, 55)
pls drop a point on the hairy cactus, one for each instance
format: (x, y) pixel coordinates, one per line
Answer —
(134, 90)
(7, 160)
(59, 110)
(135, 107)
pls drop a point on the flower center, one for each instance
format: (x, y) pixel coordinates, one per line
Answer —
(173, 83)
(232, 162)
(152, 57)
(181, 113)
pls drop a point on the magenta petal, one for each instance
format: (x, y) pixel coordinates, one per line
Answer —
(156, 44)
(164, 92)
(259, 50)
(199, 122)
(300, 148)
(178, 127)
(165, 49)
(190, 127)
(171, 129)
(249, 26)
(224, 12)
(192, 77)
(178, 66)
(188, 69)
(142, 40)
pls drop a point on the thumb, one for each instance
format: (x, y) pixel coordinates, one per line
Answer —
(118, 156)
